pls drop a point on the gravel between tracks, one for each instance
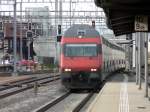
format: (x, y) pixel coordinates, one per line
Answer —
(68, 104)
(28, 101)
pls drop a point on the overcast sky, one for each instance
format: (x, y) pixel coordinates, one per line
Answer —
(77, 5)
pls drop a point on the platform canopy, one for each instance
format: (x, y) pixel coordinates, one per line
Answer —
(121, 14)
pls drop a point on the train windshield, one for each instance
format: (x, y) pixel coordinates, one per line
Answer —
(80, 50)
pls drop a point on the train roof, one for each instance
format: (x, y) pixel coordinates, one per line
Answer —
(88, 31)
(83, 29)
(112, 44)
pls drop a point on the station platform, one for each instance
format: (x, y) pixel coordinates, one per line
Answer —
(118, 96)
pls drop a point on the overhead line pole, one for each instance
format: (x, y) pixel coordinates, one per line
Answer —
(14, 41)
(146, 65)
(70, 11)
(60, 12)
(56, 24)
(21, 53)
(136, 57)
(139, 52)
(56, 13)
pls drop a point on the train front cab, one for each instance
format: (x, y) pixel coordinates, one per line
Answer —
(81, 72)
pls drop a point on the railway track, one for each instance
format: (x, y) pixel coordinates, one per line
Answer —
(27, 73)
(52, 103)
(46, 107)
(25, 81)
(76, 102)
(82, 101)
(16, 84)
(25, 85)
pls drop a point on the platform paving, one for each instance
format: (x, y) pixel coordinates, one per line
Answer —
(120, 97)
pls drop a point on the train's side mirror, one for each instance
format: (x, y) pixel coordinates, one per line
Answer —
(59, 38)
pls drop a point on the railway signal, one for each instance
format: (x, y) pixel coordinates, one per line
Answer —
(1, 26)
(29, 34)
(59, 29)
(1, 35)
(1, 31)
(59, 36)
(93, 24)
(29, 26)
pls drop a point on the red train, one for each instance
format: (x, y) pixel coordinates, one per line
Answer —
(87, 58)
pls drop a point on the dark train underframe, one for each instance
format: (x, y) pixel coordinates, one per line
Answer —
(82, 80)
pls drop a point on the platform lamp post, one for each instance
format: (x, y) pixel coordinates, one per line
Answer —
(14, 42)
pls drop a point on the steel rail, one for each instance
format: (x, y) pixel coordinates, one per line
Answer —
(50, 104)
(27, 81)
(4, 95)
(83, 102)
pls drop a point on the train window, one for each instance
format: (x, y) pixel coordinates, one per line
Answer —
(80, 50)
(81, 33)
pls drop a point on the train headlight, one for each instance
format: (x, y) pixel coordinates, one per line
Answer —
(93, 69)
(67, 70)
